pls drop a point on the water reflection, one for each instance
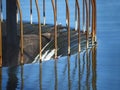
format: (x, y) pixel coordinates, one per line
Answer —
(56, 77)
(0, 78)
(79, 72)
(69, 81)
(22, 77)
(69, 73)
(94, 75)
(87, 70)
(40, 75)
(12, 78)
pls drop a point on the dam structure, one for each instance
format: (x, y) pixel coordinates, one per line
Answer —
(29, 42)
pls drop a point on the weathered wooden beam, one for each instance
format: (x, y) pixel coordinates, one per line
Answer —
(0, 43)
(11, 22)
(12, 39)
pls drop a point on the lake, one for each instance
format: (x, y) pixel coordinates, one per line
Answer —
(98, 68)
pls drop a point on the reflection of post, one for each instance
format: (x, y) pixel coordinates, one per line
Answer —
(39, 29)
(40, 75)
(94, 68)
(79, 72)
(88, 70)
(68, 23)
(0, 78)
(69, 83)
(12, 78)
(22, 77)
(0, 42)
(83, 65)
(56, 78)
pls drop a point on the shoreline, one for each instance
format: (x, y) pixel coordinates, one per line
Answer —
(31, 43)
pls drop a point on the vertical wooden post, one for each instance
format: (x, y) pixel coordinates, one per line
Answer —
(44, 17)
(30, 11)
(0, 42)
(39, 28)
(68, 27)
(78, 27)
(21, 33)
(55, 27)
(12, 39)
(11, 9)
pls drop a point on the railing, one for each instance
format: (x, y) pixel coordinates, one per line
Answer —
(68, 24)
(78, 26)
(87, 5)
(21, 34)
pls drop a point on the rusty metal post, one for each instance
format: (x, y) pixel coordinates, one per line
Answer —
(56, 10)
(21, 33)
(87, 24)
(0, 42)
(83, 16)
(76, 21)
(93, 21)
(95, 38)
(89, 1)
(78, 27)
(30, 11)
(68, 27)
(39, 28)
(44, 18)
(55, 27)
(66, 16)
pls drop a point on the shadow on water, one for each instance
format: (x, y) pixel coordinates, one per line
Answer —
(12, 78)
(75, 72)
(22, 77)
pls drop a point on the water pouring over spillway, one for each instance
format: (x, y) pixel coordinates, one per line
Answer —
(40, 42)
